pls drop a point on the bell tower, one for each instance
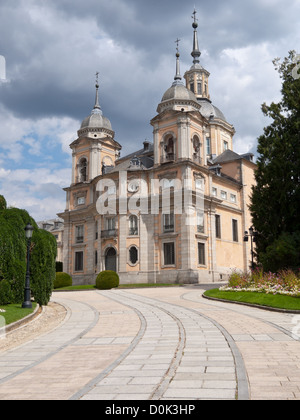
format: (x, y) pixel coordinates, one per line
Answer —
(95, 149)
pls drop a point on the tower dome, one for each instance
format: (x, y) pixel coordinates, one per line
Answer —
(95, 122)
(178, 97)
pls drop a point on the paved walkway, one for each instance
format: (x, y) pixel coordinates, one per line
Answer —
(156, 344)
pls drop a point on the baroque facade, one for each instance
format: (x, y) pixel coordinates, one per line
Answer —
(173, 211)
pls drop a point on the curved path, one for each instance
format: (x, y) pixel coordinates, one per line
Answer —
(156, 344)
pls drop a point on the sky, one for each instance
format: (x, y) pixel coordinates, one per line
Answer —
(53, 49)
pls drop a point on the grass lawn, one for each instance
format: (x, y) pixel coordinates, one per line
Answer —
(122, 286)
(263, 299)
(15, 312)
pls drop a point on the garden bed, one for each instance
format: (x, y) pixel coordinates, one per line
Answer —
(261, 299)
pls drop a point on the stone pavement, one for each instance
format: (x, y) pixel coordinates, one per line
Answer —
(156, 344)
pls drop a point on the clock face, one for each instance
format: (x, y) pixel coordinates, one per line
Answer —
(133, 186)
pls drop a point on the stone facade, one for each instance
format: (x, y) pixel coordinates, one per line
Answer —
(174, 211)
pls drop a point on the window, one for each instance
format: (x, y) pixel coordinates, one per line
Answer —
(133, 255)
(200, 222)
(199, 88)
(83, 170)
(235, 236)
(168, 222)
(169, 149)
(80, 201)
(214, 192)
(110, 223)
(79, 261)
(96, 230)
(196, 149)
(79, 234)
(199, 183)
(96, 258)
(233, 198)
(225, 145)
(169, 253)
(133, 225)
(224, 195)
(201, 254)
(218, 226)
(208, 146)
(193, 87)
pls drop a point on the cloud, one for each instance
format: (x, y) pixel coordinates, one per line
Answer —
(39, 191)
(54, 48)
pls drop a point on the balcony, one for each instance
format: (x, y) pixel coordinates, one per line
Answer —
(110, 233)
(197, 159)
(168, 157)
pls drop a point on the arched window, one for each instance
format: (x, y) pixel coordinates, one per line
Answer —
(169, 149)
(196, 149)
(133, 225)
(133, 255)
(82, 170)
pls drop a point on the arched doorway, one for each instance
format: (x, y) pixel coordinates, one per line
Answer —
(111, 259)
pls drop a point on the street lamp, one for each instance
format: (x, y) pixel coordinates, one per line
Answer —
(253, 236)
(27, 302)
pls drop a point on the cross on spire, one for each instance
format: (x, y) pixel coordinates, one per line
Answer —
(196, 52)
(97, 79)
(177, 42)
(194, 17)
(177, 77)
(97, 107)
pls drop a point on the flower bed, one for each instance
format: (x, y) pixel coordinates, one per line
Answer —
(285, 282)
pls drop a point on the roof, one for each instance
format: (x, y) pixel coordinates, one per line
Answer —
(140, 160)
(230, 156)
(208, 110)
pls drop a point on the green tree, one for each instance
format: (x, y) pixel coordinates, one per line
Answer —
(13, 248)
(275, 205)
(2, 203)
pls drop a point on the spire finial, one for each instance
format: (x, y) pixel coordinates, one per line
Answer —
(177, 77)
(196, 52)
(97, 107)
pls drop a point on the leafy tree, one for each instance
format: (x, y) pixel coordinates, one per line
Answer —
(275, 199)
(2, 203)
(13, 247)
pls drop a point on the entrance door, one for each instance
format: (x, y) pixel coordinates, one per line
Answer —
(111, 259)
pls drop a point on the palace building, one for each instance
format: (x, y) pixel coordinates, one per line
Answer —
(173, 211)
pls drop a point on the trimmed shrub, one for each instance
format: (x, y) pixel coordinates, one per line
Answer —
(107, 280)
(62, 280)
(6, 296)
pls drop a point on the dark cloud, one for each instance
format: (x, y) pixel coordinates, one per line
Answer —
(54, 48)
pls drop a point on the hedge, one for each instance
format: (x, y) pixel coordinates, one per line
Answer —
(13, 247)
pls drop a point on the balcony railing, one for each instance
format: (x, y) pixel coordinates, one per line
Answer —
(169, 157)
(168, 228)
(110, 233)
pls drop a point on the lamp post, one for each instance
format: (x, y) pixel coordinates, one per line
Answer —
(252, 235)
(27, 302)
